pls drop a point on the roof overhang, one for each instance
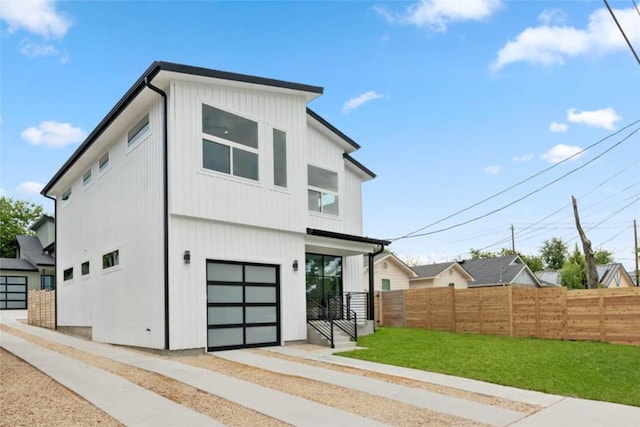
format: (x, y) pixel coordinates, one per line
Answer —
(331, 131)
(393, 258)
(339, 244)
(363, 172)
(162, 73)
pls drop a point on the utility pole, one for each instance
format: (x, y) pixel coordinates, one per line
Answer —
(592, 272)
(635, 249)
(513, 240)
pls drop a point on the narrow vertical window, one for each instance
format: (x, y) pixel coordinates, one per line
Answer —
(279, 158)
(103, 163)
(86, 178)
(84, 268)
(138, 131)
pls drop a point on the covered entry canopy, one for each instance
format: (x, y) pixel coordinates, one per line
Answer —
(339, 244)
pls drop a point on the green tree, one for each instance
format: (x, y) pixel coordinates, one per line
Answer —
(603, 257)
(553, 253)
(15, 218)
(573, 274)
(534, 262)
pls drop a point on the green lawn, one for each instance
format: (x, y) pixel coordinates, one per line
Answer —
(589, 370)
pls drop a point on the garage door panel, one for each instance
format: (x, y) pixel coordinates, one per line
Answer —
(13, 292)
(242, 305)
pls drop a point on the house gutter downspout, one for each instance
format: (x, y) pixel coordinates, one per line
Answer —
(165, 173)
(55, 259)
(372, 306)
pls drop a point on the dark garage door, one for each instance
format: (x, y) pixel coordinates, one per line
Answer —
(13, 293)
(243, 305)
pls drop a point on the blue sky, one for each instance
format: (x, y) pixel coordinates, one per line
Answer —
(451, 101)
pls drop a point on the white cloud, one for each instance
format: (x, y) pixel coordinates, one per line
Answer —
(561, 152)
(492, 170)
(551, 44)
(360, 100)
(35, 16)
(35, 50)
(437, 14)
(525, 158)
(604, 118)
(53, 134)
(552, 16)
(558, 127)
(30, 187)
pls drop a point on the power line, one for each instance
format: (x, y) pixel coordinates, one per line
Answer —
(608, 217)
(518, 183)
(412, 235)
(636, 6)
(613, 237)
(622, 31)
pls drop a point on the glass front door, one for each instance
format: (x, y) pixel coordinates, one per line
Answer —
(324, 277)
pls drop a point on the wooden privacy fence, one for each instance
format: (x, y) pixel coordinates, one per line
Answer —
(42, 308)
(611, 315)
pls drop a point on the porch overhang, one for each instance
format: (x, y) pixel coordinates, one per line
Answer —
(340, 244)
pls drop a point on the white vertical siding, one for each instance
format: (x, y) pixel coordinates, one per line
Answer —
(352, 205)
(352, 274)
(121, 210)
(230, 242)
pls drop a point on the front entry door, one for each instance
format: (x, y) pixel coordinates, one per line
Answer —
(324, 277)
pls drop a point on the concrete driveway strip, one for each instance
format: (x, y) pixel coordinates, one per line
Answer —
(470, 410)
(584, 413)
(127, 402)
(290, 409)
(475, 386)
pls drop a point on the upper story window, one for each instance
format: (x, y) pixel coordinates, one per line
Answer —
(67, 274)
(323, 190)
(279, 158)
(230, 143)
(86, 178)
(139, 131)
(85, 268)
(111, 259)
(103, 163)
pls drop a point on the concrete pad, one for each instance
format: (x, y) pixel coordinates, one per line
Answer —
(572, 412)
(470, 410)
(125, 401)
(290, 409)
(475, 386)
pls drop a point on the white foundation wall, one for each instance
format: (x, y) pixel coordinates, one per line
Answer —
(122, 209)
(212, 240)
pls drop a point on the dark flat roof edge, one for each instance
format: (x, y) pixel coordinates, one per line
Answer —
(332, 128)
(139, 85)
(359, 165)
(349, 237)
(245, 78)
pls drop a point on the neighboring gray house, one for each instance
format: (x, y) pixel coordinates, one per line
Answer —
(33, 267)
(500, 271)
(611, 276)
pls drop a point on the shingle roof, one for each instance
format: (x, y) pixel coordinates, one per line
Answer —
(491, 271)
(16, 264)
(31, 249)
(549, 277)
(431, 270)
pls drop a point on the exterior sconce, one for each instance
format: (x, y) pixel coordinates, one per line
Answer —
(187, 257)
(295, 265)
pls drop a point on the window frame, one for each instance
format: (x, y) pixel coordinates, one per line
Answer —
(141, 133)
(276, 162)
(88, 273)
(66, 196)
(65, 277)
(384, 282)
(87, 180)
(231, 145)
(324, 192)
(115, 260)
(106, 167)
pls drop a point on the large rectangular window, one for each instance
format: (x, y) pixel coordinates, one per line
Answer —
(230, 143)
(138, 131)
(323, 189)
(279, 158)
(110, 260)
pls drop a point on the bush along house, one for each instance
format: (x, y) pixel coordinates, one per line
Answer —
(208, 210)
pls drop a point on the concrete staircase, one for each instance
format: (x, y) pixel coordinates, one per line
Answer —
(341, 340)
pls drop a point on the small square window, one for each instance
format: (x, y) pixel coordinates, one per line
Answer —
(103, 163)
(138, 131)
(86, 178)
(67, 274)
(110, 260)
(84, 268)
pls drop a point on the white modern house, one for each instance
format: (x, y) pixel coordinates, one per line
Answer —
(204, 211)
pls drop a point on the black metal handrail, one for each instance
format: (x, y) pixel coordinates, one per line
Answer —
(344, 318)
(358, 302)
(320, 318)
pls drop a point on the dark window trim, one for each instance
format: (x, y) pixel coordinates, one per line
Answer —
(64, 274)
(25, 292)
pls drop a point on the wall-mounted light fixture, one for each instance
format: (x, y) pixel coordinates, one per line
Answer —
(295, 265)
(187, 257)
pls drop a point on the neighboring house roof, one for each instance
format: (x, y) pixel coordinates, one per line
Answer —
(429, 271)
(43, 219)
(389, 256)
(171, 68)
(548, 277)
(16, 264)
(498, 271)
(31, 250)
(606, 274)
